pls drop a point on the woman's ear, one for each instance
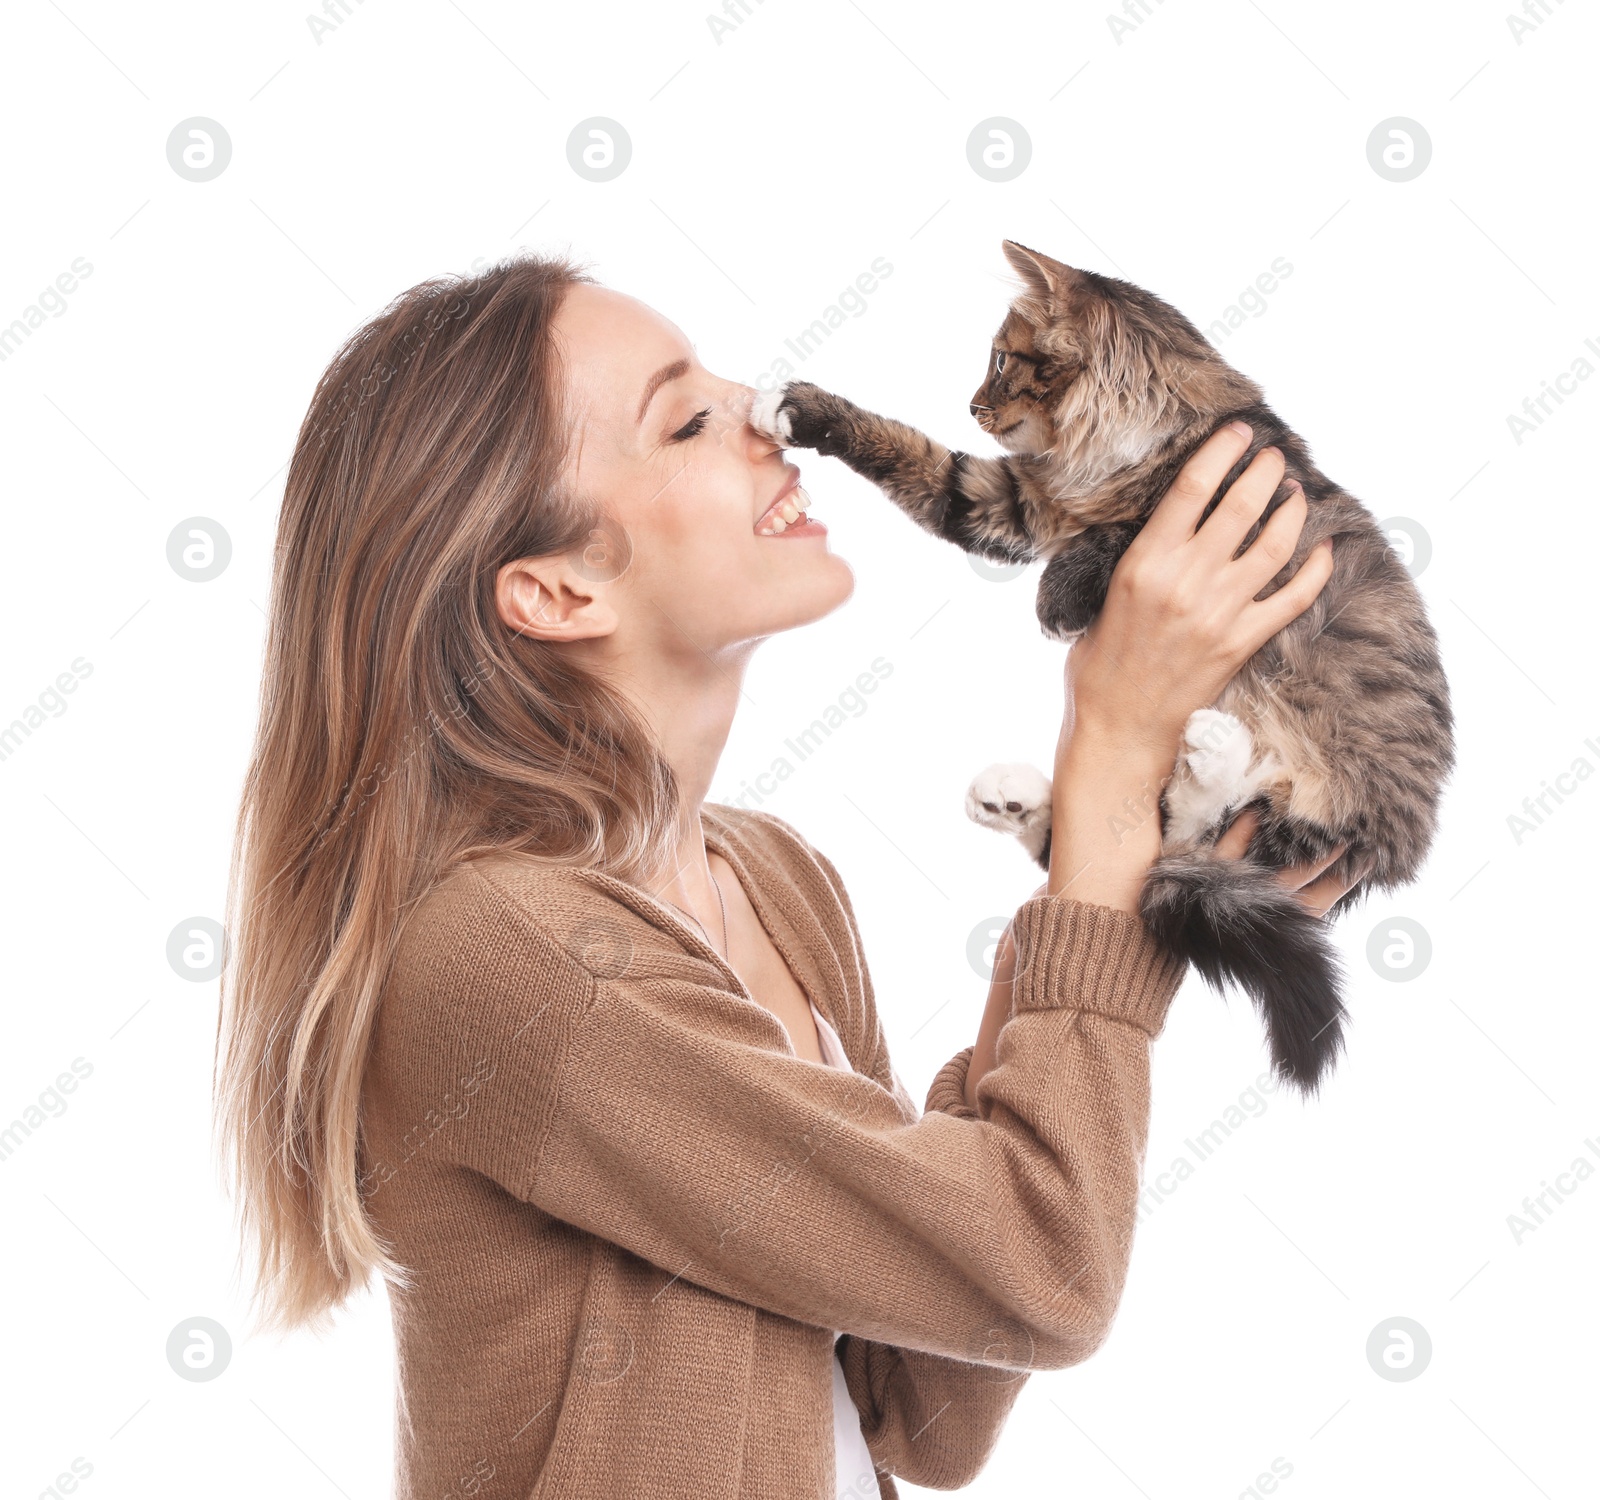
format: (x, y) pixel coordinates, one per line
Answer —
(547, 598)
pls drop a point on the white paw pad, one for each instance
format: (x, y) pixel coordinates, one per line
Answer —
(1015, 799)
(765, 416)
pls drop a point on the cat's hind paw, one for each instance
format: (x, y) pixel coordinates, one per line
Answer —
(1218, 750)
(1014, 799)
(1213, 776)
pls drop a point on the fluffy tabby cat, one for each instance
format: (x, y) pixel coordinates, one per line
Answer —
(1338, 730)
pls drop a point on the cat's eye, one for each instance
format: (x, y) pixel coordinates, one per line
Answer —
(999, 361)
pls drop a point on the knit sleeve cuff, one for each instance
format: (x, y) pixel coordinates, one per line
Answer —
(948, 1091)
(1078, 956)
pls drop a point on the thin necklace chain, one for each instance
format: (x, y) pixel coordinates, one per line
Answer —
(701, 925)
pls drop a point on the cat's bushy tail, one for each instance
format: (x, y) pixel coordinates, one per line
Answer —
(1233, 921)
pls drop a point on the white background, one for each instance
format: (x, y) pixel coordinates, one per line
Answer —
(768, 171)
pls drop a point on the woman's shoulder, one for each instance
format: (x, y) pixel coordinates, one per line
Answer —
(503, 940)
(486, 930)
(751, 825)
(503, 919)
(509, 907)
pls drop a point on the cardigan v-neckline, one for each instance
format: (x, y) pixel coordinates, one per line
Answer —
(781, 931)
(787, 941)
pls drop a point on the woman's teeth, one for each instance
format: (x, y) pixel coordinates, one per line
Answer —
(787, 511)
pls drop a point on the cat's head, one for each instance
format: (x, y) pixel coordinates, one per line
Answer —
(1097, 370)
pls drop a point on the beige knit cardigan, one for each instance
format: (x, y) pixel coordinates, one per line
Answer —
(634, 1215)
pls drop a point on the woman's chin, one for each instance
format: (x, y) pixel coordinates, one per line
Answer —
(811, 593)
(840, 579)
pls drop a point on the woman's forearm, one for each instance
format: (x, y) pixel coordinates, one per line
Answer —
(1106, 833)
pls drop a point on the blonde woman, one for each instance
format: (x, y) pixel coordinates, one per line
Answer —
(588, 1069)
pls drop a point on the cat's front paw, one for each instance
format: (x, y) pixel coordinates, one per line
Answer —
(1014, 799)
(1064, 632)
(1073, 586)
(768, 416)
(798, 414)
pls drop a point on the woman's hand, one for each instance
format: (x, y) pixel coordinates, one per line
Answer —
(1316, 895)
(1180, 618)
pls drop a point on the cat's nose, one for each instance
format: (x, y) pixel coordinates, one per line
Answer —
(977, 407)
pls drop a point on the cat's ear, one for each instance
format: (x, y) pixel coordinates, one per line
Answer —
(1044, 280)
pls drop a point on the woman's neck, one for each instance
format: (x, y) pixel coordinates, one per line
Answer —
(688, 698)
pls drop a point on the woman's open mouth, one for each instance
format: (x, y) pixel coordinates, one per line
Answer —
(786, 516)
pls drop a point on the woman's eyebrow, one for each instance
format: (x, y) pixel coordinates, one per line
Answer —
(655, 382)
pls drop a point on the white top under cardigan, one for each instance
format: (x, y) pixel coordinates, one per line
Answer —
(854, 1474)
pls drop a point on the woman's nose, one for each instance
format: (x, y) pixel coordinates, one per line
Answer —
(746, 402)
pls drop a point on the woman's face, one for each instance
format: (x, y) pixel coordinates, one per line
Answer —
(667, 449)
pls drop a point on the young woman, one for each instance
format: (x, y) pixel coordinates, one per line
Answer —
(589, 1069)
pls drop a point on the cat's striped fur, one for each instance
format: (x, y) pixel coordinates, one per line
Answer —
(1099, 391)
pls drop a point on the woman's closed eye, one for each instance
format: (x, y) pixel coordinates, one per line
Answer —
(692, 428)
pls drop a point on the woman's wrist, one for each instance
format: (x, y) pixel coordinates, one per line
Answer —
(1106, 819)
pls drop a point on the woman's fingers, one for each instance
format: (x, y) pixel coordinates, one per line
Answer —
(1273, 546)
(1264, 618)
(1298, 876)
(1236, 840)
(1320, 895)
(1174, 519)
(1313, 887)
(1238, 510)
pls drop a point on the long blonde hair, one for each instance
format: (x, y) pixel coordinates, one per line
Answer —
(403, 727)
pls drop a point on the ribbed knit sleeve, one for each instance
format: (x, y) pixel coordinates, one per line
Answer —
(1087, 957)
(1090, 958)
(948, 1091)
(934, 1418)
